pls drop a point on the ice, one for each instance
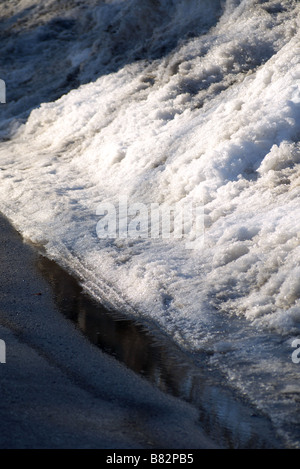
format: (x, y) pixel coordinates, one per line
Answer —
(180, 102)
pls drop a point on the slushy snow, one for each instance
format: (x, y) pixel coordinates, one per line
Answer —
(181, 102)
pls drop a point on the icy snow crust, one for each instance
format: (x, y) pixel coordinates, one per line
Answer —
(198, 101)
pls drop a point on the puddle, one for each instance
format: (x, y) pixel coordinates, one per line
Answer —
(223, 415)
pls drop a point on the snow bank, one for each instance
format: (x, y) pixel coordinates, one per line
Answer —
(197, 102)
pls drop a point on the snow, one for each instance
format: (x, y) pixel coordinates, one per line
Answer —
(181, 102)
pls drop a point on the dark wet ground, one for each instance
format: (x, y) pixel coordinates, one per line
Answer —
(57, 390)
(151, 354)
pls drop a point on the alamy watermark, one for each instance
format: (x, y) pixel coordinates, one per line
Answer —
(2, 92)
(2, 351)
(154, 221)
(296, 353)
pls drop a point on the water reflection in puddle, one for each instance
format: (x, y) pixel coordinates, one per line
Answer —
(226, 418)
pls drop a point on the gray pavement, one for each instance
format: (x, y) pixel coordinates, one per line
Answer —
(57, 390)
